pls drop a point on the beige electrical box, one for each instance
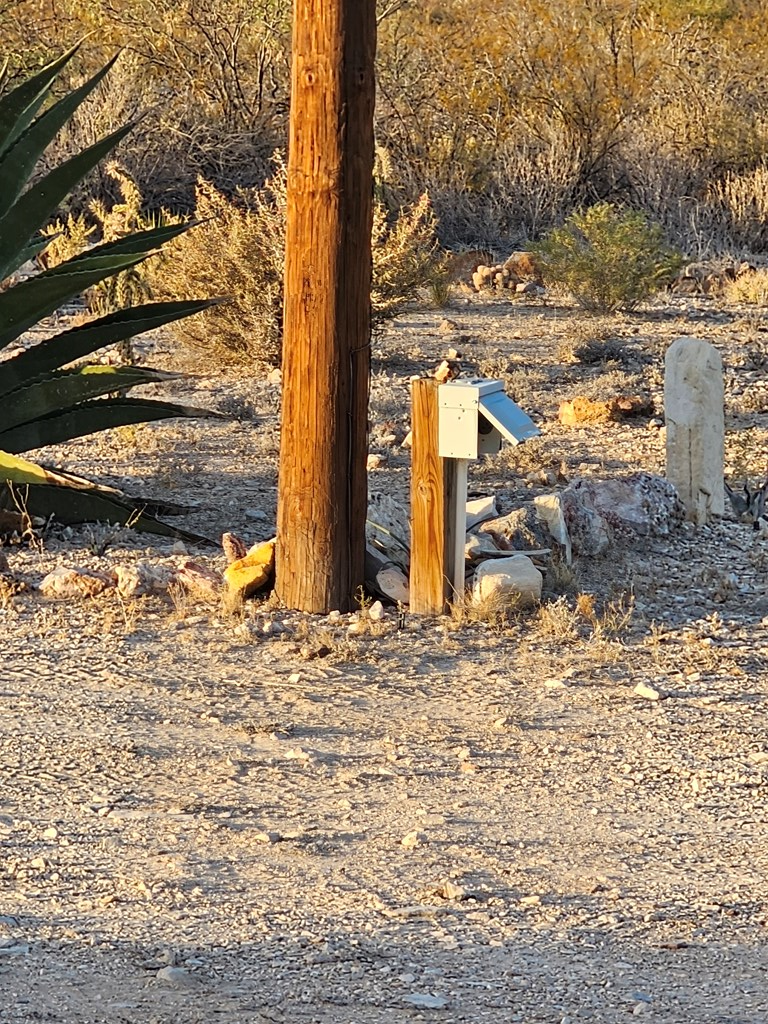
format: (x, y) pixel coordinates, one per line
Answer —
(474, 415)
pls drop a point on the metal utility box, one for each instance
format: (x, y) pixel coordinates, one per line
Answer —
(474, 416)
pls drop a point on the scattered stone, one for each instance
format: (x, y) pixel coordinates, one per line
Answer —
(519, 530)
(448, 890)
(647, 692)
(630, 509)
(275, 376)
(74, 583)
(267, 838)
(480, 546)
(178, 978)
(425, 1001)
(447, 327)
(530, 901)
(179, 548)
(447, 370)
(507, 582)
(375, 461)
(141, 579)
(481, 509)
(376, 611)
(199, 581)
(412, 839)
(393, 584)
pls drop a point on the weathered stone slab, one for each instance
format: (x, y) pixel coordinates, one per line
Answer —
(693, 409)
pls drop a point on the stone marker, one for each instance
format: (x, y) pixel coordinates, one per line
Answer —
(693, 408)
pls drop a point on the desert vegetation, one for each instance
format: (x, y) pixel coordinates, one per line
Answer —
(510, 115)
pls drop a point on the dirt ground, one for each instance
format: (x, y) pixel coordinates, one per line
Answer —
(210, 815)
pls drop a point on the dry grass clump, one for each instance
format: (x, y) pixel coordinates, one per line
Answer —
(750, 288)
(590, 341)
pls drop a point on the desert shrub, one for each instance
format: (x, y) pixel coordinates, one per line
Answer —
(404, 257)
(241, 244)
(608, 258)
(750, 288)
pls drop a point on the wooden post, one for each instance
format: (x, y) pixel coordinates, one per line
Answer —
(438, 489)
(322, 494)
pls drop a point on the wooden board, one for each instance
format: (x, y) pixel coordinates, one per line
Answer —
(428, 579)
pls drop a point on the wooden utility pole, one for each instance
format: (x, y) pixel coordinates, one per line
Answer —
(322, 498)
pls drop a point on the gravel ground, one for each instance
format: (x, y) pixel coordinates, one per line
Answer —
(262, 816)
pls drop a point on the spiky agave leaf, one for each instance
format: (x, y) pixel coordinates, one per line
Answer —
(19, 107)
(31, 210)
(46, 400)
(43, 493)
(50, 393)
(81, 341)
(18, 161)
(91, 418)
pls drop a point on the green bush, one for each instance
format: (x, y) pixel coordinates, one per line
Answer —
(608, 258)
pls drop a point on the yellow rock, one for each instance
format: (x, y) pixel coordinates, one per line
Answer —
(252, 572)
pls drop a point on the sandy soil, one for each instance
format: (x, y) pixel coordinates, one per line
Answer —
(257, 816)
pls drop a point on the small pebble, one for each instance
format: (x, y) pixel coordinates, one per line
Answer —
(646, 691)
(412, 839)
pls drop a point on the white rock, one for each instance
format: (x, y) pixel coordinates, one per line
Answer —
(550, 511)
(510, 581)
(177, 977)
(646, 691)
(412, 839)
(68, 583)
(426, 1001)
(394, 583)
(480, 509)
(376, 611)
(141, 578)
(480, 546)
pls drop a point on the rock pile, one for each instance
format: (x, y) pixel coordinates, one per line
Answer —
(519, 274)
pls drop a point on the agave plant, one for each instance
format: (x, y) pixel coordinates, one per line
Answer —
(47, 393)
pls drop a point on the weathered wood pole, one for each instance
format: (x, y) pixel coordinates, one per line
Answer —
(322, 493)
